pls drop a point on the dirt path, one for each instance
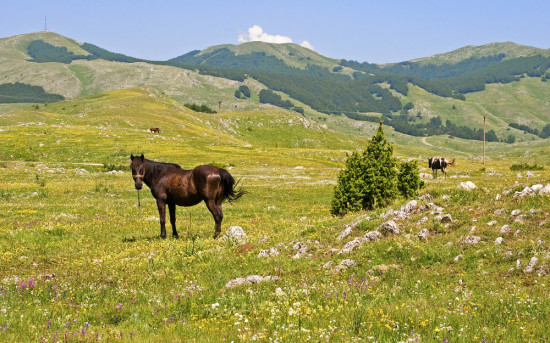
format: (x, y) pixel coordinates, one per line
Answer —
(425, 142)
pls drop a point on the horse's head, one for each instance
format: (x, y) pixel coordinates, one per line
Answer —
(430, 160)
(138, 170)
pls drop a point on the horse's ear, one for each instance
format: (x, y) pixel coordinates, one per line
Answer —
(132, 157)
(141, 157)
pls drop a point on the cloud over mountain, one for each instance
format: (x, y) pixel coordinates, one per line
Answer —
(256, 33)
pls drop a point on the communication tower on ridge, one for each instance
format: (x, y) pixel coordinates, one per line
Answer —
(46, 24)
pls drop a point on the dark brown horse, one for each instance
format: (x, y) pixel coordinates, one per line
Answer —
(171, 185)
(439, 163)
(154, 130)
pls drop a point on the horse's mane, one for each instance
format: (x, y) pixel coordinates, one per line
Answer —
(163, 165)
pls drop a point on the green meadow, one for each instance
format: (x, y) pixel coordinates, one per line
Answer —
(81, 262)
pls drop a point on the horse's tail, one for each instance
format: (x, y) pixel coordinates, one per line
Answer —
(230, 191)
(430, 162)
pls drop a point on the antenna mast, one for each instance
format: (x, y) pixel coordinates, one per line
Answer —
(46, 24)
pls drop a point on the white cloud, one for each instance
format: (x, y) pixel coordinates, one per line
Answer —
(307, 44)
(256, 33)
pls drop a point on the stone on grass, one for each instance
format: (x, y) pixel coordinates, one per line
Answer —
(268, 253)
(446, 218)
(472, 240)
(344, 233)
(499, 211)
(545, 190)
(302, 250)
(423, 234)
(372, 236)
(235, 234)
(505, 229)
(345, 264)
(531, 266)
(468, 185)
(499, 240)
(389, 227)
(249, 280)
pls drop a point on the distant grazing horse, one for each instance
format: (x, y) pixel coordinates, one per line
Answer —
(154, 130)
(439, 163)
(171, 185)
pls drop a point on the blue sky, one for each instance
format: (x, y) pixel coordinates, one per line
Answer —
(381, 31)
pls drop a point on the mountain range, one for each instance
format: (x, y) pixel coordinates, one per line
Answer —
(449, 93)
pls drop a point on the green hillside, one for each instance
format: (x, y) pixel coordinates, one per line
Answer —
(506, 94)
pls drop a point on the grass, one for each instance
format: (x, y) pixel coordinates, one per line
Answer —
(81, 262)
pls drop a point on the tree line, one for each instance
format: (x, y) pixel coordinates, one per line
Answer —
(19, 92)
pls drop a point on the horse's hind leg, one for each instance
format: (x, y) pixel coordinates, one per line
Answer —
(172, 210)
(216, 210)
(162, 216)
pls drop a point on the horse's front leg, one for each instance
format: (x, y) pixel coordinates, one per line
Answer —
(172, 210)
(162, 216)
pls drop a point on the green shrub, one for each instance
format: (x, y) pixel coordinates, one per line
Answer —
(525, 166)
(369, 179)
(408, 179)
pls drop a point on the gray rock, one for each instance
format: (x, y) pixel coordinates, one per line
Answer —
(268, 253)
(492, 222)
(531, 266)
(545, 190)
(249, 280)
(527, 191)
(389, 227)
(505, 229)
(344, 233)
(372, 236)
(410, 207)
(446, 218)
(302, 250)
(458, 258)
(352, 245)
(235, 234)
(472, 240)
(345, 264)
(423, 234)
(468, 185)
(499, 211)
(515, 213)
(328, 265)
(499, 240)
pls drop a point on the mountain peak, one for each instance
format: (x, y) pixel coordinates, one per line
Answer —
(510, 49)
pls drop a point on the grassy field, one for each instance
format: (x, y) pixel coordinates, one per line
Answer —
(80, 261)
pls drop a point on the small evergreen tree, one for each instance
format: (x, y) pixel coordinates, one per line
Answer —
(408, 179)
(245, 91)
(369, 179)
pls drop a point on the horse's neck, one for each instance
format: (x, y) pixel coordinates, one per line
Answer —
(148, 171)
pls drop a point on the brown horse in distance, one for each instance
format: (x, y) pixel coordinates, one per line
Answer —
(155, 130)
(171, 185)
(439, 163)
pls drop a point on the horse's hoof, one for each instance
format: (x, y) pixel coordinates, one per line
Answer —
(175, 236)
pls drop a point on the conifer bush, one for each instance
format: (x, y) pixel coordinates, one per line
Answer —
(369, 179)
(408, 179)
